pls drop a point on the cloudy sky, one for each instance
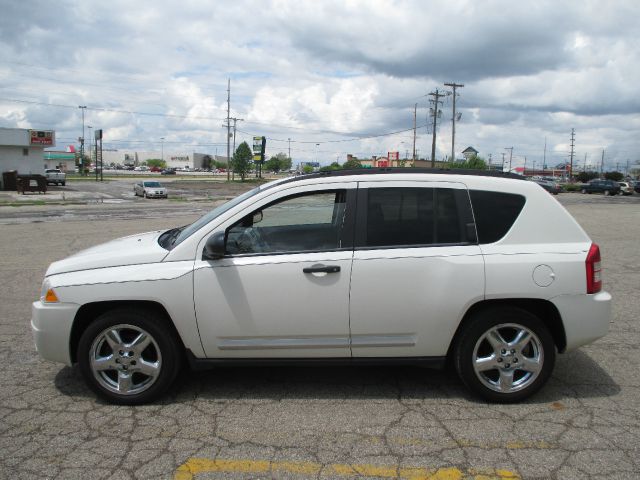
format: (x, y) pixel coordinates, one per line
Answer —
(334, 77)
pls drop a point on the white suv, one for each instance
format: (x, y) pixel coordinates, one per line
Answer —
(388, 266)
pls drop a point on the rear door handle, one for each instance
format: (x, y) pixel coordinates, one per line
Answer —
(322, 269)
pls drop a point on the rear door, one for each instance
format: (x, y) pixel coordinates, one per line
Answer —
(417, 268)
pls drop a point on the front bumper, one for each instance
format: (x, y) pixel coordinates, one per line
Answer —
(585, 317)
(156, 194)
(51, 326)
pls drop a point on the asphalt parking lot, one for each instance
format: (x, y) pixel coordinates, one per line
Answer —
(392, 422)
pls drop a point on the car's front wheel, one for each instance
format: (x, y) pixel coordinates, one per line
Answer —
(504, 354)
(129, 357)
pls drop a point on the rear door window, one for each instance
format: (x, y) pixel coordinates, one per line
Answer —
(409, 217)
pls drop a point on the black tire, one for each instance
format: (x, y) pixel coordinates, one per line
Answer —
(584, 190)
(607, 193)
(162, 355)
(64, 183)
(472, 343)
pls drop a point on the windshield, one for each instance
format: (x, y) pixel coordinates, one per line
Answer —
(206, 218)
(188, 230)
(152, 184)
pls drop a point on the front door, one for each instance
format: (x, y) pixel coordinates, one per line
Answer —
(282, 289)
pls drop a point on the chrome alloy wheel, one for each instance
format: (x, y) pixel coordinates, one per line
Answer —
(508, 358)
(125, 359)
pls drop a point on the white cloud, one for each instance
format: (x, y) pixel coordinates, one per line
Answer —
(531, 71)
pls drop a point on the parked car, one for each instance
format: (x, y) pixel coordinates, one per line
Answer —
(155, 169)
(549, 186)
(636, 186)
(608, 187)
(150, 189)
(626, 188)
(55, 176)
(168, 171)
(378, 266)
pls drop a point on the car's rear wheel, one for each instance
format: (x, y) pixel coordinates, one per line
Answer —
(504, 354)
(129, 357)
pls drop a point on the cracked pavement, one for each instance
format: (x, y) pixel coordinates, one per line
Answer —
(319, 422)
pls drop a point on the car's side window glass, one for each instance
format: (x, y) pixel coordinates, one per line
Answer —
(495, 213)
(299, 223)
(401, 216)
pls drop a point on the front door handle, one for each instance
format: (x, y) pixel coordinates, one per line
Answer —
(322, 269)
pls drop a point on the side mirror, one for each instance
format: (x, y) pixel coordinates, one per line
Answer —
(215, 247)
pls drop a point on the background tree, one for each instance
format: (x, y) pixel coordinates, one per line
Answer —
(584, 177)
(242, 160)
(615, 176)
(330, 168)
(278, 163)
(352, 164)
(156, 162)
(307, 169)
(473, 163)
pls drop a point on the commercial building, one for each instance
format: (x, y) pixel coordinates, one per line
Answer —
(22, 150)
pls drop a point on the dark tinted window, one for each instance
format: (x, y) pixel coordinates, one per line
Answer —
(416, 216)
(495, 213)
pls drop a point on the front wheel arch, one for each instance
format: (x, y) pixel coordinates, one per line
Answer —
(90, 311)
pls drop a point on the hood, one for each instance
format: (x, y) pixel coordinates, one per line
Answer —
(132, 250)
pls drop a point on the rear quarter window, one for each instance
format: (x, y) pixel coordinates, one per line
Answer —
(495, 213)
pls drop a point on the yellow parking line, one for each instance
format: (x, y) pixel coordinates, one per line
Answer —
(193, 466)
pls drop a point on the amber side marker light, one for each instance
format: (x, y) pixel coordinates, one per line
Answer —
(51, 296)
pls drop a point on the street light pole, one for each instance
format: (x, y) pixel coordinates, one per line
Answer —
(162, 149)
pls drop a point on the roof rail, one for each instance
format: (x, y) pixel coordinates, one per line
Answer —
(411, 170)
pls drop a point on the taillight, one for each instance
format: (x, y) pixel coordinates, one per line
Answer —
(594, 269)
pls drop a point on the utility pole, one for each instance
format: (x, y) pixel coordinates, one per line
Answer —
(289, 140)
(228, 128)
(503, 154)
(524, 169)
(233, 176)
(162, 149)
(434, 111)
(489, 161)
(510, 156)
(571, 155)
(82, 108)
(415, 112)
(89, 127)
(544, 155)
(584, 169)
(602, 163)
(453, 85)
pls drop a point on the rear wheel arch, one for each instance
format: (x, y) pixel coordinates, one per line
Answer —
(91, 311)
(543, 309)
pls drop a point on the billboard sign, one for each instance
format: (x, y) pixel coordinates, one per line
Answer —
(45, 138)
(393, 156)
(259, 144)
